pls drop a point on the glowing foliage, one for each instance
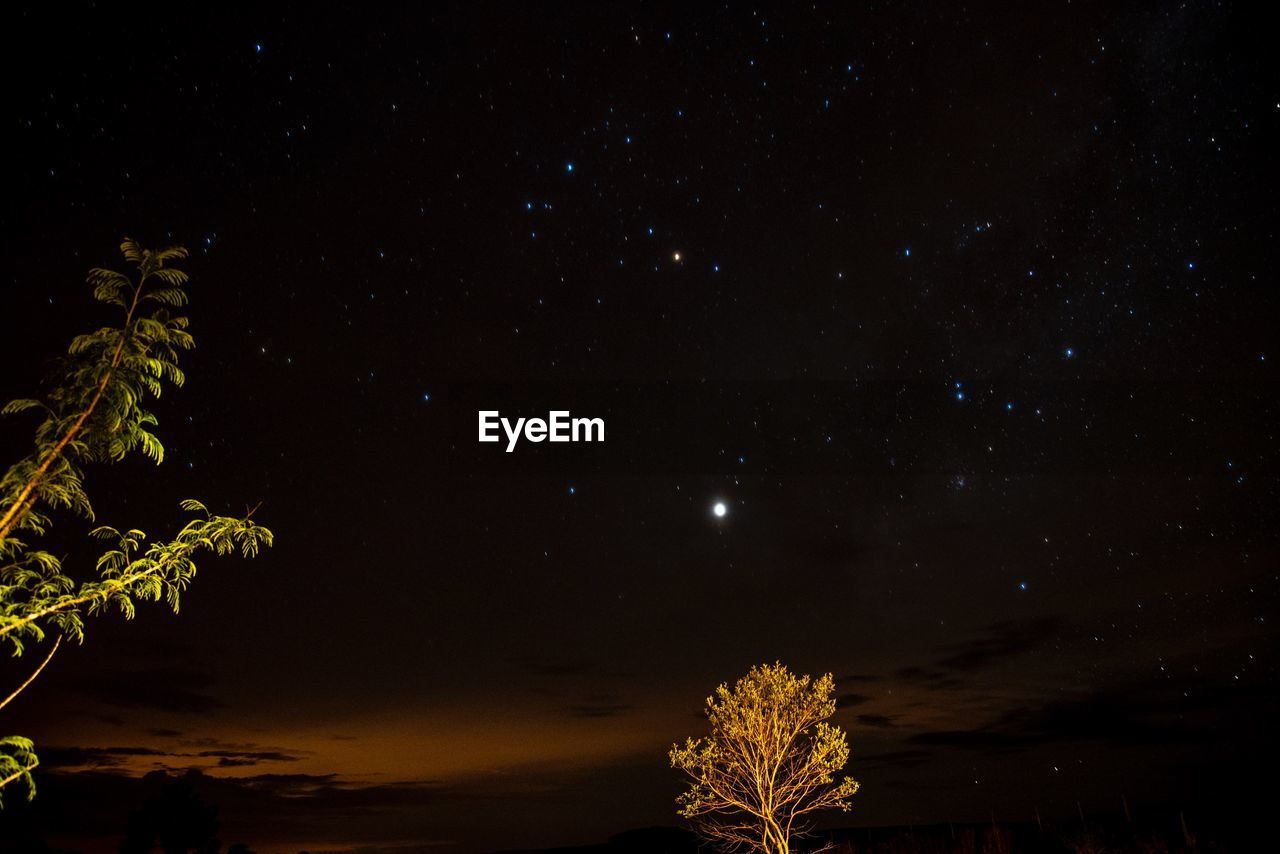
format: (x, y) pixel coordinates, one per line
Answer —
(94, 413)
(769, 763)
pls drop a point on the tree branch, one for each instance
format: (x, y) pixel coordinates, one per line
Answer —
(23, 503)
(19, 773)
(7, 700)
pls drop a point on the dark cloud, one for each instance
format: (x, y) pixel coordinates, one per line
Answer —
(999, 641)
(92, 757)
(934, 679)
(599, 710)
(249, 757)
(603, 704)
(169, 688)
(553, 667)
(876, 720)
(838, 552)
(844, 701)
(1002, 640)
(1156, 713)
(900, 758)
(109, 757)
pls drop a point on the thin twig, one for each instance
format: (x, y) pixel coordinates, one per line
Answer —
(7, 700)
(16, 774)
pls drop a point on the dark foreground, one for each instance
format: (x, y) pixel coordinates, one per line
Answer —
(1165, 834)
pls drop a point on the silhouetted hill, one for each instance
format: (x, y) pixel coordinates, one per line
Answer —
(1168, 834)
(648, 840)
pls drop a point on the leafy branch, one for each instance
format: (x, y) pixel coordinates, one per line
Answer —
(127, 573)
(94, 413)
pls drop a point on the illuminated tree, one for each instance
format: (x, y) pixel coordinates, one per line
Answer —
(769, 764)
(93, 413)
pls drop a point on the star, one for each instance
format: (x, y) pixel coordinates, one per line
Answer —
(720, 509)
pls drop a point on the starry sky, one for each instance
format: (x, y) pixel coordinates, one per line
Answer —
(965, 314)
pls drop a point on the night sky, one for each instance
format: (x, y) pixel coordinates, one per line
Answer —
(971, 330)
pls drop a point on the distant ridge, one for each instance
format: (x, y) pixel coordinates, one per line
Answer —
(648, 840)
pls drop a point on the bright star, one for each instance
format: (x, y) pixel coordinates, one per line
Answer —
(720, 509)
(675, 256)
(568, 167)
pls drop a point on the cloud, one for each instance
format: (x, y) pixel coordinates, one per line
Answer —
(119, 756)
(896, 758)
(599, 705)
(876, 720)
(247, 757)
(844, 701)
(937, 680)
(1162, 712)
(170, 688)
(560, 668)
(831, 552)
(998, 642)
(92, 757)
(599, 710)
(1002, 640)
